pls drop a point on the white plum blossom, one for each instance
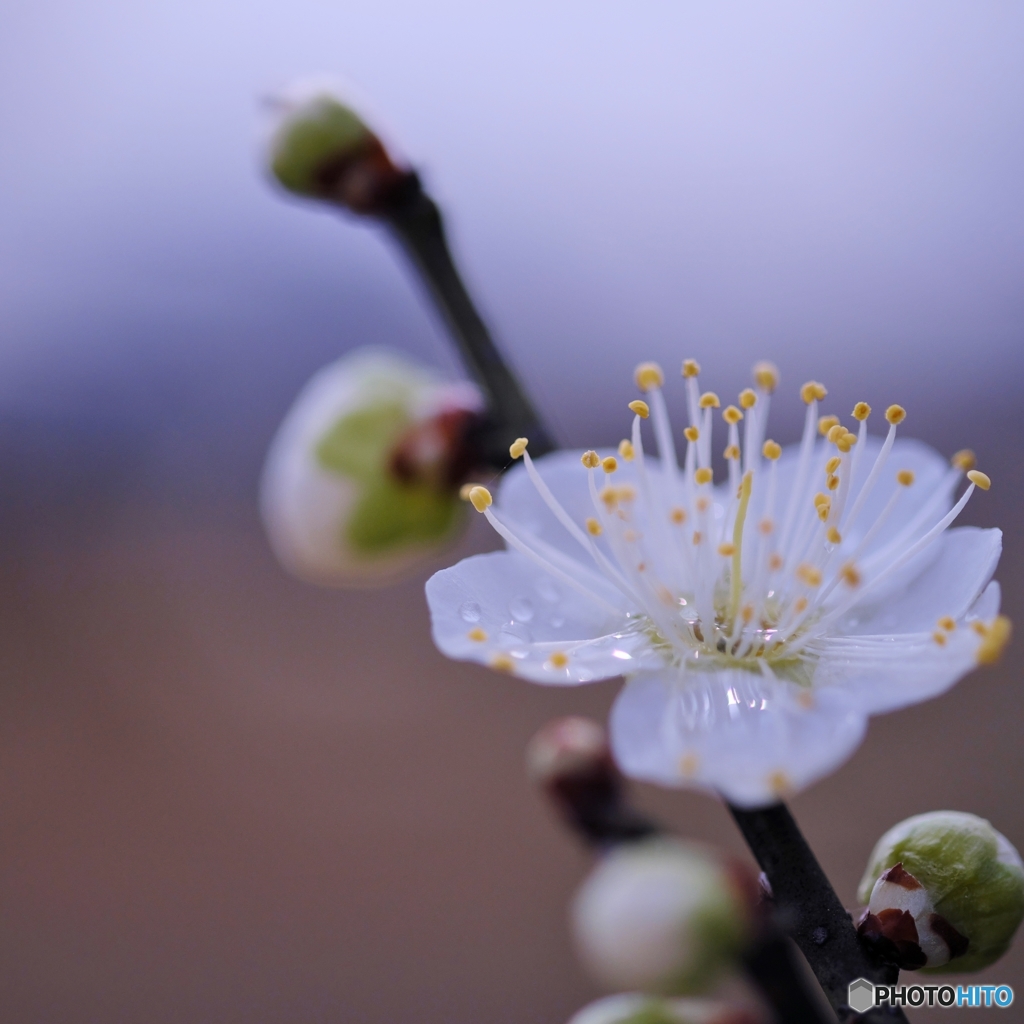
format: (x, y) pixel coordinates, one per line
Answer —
(758, 623)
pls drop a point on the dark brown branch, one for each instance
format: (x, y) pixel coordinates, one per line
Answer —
(416, 222)
(811, 912)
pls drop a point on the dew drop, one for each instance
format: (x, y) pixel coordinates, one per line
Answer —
(547, 590)
(470, 611)
(521, 609)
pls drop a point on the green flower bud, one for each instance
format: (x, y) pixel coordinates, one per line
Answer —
(945, 892)
(322, 149)
(361, 481)
(661, 916)
(634, 1008)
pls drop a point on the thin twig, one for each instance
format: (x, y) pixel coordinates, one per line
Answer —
(811, 912)
(416, 222)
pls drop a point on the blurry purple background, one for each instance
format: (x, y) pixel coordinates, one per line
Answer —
(226, 796)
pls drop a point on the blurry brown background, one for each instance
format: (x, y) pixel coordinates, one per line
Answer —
(226, 796)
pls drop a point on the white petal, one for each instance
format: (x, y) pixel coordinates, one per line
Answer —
(883, 674)
(527, 616)
(567, 478)
(746, 736)
(929, 468)
(986, 607)
(961, 566)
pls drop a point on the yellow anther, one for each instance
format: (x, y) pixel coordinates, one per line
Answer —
(464, 491)
(517, 447)
(626, 450)
(480, 497)
(940, 638)
(997, 636)
(895, 414)
(979, 479)
(731, 414)
(648, 375)
(748, 398)
(813, 390)
(594, 528)
(627, 493)
(727, 549)
(703, 475)
(964, 460)
(732, 452)
(850, 574)
(775, 562)
(477, 634)
(688, 765)
(834, 536)
(800, 605)
(766, 526)
(747, 613)
(823, 510)
(503, 663)
(766, 376)
(826, 423)
(640, 408)
(678, 516)
(861, 411)
(771, 450)
(697, 536)
(809, 574)
(948, 623)
(834, 432)
(979, 627)
(832, 483)
(691, 434)
(590, 459)
(779, 784)
(709, 400)
(610, 496)
(558, 659)
(995, 639)
(702, 504)
(846, 442)
(905, 477)
(609, 464)
(821, 499)
(690, 367)
(832, 465)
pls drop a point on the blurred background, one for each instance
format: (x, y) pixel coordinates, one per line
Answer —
(226, 796)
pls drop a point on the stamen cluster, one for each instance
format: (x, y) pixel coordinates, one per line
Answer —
(758, 573)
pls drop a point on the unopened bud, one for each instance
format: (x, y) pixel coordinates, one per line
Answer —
(361, 482)
(322, 149)
(662, 916)
(571, 761)
(945, 892)
(635, 1008)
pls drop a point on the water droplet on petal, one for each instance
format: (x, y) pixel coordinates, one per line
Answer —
(470, 611)
(521, 609)
(547, 590)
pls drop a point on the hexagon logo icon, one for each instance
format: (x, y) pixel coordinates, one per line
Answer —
(861, 996)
